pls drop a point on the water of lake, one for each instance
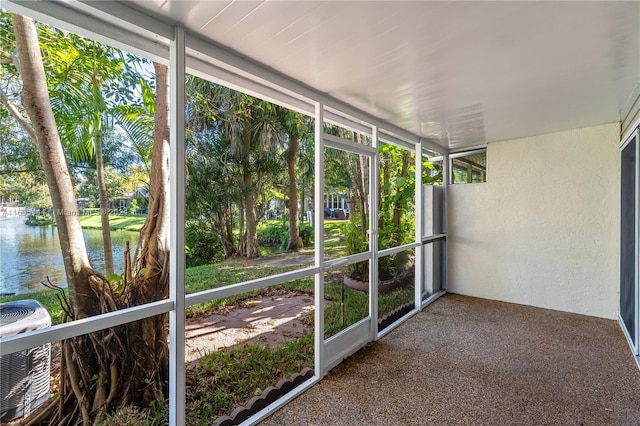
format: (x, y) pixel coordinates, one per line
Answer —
(28, 254)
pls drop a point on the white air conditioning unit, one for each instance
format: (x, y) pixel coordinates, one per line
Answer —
(24, 375)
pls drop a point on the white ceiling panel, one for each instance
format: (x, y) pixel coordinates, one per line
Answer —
(463, 73)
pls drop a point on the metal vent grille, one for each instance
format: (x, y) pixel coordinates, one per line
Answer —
(11, 313)
(24, 375)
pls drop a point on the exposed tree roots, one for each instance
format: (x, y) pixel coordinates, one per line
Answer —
(110, 368)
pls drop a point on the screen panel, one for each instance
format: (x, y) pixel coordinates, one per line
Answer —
(628, 235)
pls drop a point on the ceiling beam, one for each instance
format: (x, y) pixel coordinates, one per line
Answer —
(93, 23)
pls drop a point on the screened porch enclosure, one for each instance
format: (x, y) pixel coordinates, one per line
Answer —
(490, 153)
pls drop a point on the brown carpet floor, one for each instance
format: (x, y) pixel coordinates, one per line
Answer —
(470, 361)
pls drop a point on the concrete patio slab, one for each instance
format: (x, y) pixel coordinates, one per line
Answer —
(469, 361)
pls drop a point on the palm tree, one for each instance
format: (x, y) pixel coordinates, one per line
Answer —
(87, 82)
(249, 125)
(306, 167)
(294, 127)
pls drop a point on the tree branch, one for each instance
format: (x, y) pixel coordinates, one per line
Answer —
(6, 61)
(13, 109)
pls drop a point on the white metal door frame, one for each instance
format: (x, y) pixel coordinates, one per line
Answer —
(332, 351)
(633, 138)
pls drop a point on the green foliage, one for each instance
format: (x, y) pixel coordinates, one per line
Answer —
(202, 247)
(396, 215)
(397, 183)
(355, 237)
(95, 90)
(21, 178)
(393, 235)
(40, 220)
(229, 272)
(137, 204)
(271, 233)
(306, 233)
(356, 242)
(431, 172)
(133, 207)
(398, 297)
(236, 151)
(117, 183)
(337, 317)
(276, 233)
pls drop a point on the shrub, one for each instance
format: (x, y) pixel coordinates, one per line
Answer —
(276, 233)
(355, 239)
(272, 233)
(306, 233)
(202, 247)
(133, 206)
(39, 220)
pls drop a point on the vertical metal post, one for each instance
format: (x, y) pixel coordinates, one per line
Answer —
(177, 255)
(374, 176)
(445, 185)
(419, 223)
(637, 244)
(318, 213)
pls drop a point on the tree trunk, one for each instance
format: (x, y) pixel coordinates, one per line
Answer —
(35, 98)
(222, 227)
(363, 180)
(357, 194)
(104, 205)
(295, 242)
(251, 247)
(231, 250)
(149, 349)
(359, 181)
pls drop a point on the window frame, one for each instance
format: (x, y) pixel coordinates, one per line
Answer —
(462, 154)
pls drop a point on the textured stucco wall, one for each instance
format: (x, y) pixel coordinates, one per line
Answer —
(543, 230)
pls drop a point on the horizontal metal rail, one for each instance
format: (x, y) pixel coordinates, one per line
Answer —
(433, 238)
(235, 289)
(335, 142)
(20, 342)
(394, 250)
(345, 261)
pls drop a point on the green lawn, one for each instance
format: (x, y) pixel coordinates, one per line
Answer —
(334, 238)
(226, 379)
(126, 222)
(47, 298)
